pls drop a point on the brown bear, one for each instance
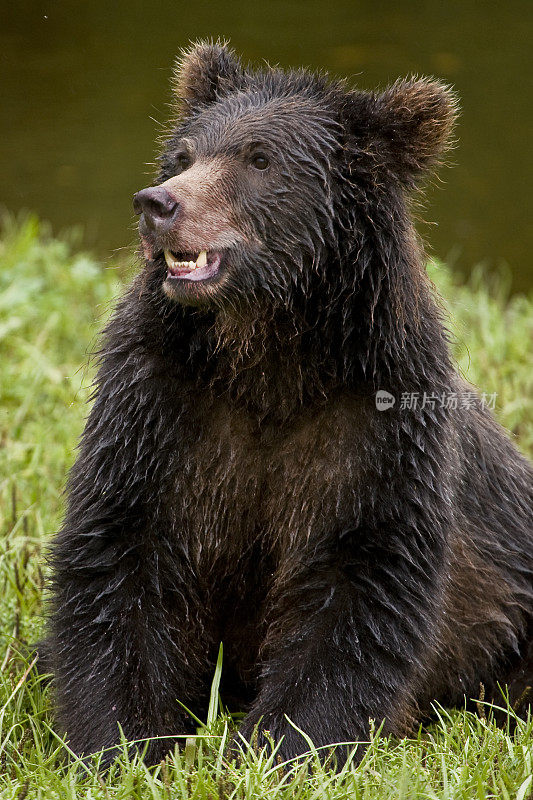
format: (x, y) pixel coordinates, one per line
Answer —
(251, 472)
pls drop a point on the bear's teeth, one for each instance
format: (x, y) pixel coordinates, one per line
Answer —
(173, 263)
(201, 261)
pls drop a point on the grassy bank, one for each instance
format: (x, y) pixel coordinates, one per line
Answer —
(53, 300)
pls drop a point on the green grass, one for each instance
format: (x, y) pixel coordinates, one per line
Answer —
(53, 300)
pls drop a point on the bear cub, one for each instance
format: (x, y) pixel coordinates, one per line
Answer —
(237, 479)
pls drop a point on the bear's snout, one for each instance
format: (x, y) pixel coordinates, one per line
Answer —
(188, 213)
(159, 209)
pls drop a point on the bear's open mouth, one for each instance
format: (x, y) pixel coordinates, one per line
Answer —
(192, 266)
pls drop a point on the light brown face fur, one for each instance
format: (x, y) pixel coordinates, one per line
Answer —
(204, 221)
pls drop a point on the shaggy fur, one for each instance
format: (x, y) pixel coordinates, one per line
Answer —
(235, 480)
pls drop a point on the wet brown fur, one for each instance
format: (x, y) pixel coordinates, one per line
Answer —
(235, 480)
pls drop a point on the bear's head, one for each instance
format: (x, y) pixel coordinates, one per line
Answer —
(278, 184)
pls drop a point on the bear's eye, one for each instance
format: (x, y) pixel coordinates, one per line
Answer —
(183, 161)
(259, 161)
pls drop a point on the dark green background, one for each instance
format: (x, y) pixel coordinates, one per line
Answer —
(84, 88)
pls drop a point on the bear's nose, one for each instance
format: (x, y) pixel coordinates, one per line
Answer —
(158, 207)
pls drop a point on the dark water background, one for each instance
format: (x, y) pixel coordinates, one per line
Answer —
(84, 87)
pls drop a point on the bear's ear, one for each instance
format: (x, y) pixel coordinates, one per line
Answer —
(411, 124)
(204, 71)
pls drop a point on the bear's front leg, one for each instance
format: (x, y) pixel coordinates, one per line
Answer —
(350, 623)
(128, 635)
(127, 643)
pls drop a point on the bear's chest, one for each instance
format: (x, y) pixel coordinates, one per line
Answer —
(240, 487)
